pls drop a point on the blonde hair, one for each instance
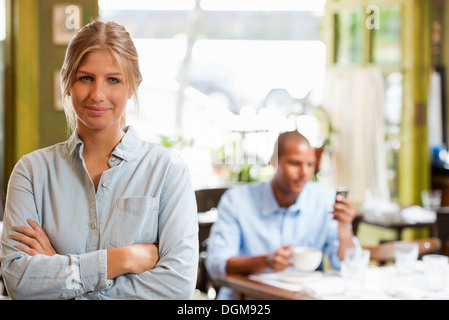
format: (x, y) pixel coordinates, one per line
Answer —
(99, 35)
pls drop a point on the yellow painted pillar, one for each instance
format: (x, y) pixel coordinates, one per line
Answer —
(26, 75)
(414, 158)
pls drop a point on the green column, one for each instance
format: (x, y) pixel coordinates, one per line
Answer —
(26, 76)
(414, 161)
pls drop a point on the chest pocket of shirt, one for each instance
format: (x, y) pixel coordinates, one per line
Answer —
(135, 221)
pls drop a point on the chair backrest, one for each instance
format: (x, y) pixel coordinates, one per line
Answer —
(385, 251)
(443, 228)
(207, 199)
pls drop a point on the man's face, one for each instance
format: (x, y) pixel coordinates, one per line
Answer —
(296, 166)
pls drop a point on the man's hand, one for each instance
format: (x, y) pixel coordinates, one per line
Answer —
(344, 213)
(279, 260)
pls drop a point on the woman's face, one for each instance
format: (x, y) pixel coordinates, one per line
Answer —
(100, 91)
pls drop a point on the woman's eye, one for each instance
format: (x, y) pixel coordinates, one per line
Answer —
(86, 78)
(113, 80)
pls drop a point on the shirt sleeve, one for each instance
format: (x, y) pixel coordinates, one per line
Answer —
(41, 276)
(224, 239)
(333, 244)
(174, 276)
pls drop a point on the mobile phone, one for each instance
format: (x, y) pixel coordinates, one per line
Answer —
(342, 191)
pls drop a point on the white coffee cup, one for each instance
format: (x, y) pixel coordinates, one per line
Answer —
(306, 259)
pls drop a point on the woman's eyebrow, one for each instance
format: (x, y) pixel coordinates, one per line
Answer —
(113, 74)
(84, 72)
(107, 75)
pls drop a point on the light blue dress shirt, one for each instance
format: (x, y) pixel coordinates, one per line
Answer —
(251, 222)
(145, 197)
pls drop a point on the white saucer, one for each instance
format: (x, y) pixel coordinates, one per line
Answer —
(300, 277)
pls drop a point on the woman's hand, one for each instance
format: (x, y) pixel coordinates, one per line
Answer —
(133, 259)
(145, 257)
(34, 238)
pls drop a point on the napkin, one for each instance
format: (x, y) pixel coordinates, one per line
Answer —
(327, 286)
(417, 214)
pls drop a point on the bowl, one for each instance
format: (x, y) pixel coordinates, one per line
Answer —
(306, 259)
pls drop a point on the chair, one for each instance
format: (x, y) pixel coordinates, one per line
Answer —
(384, 252)
(206, 199)
(443, 229)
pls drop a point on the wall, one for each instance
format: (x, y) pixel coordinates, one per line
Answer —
(32, 121)
(52, 122)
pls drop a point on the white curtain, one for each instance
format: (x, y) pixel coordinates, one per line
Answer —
(434, 111)
(355, 98)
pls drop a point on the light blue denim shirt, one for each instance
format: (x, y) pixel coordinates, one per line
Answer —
(251, 222)
(145, 197)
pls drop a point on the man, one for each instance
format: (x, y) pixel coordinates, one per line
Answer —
(259, 224)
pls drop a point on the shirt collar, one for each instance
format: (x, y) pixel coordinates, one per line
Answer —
(271, 206)
(125, 150)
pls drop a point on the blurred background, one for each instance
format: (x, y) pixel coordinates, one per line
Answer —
(363, 80)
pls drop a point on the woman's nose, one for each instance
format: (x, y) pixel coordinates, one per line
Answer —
(97, 92)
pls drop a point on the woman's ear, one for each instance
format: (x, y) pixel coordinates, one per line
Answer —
(130, 93)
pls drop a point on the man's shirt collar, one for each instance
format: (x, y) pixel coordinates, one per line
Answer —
(271, 205)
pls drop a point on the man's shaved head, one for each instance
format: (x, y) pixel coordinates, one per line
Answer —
(294, 160)
(284, 138)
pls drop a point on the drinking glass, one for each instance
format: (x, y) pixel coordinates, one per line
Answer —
(405, 255)
(353, 271)
(431, 199)
(436, 268)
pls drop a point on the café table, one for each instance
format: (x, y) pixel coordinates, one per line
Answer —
(398, 224)
(245, 288)
(381, 283)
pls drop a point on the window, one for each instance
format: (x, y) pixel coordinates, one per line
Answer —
(348, 37)
(370, 34)
(223, 78)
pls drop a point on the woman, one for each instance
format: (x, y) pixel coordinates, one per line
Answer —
(102, 215)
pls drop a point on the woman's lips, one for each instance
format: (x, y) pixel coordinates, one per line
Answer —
(97, 111)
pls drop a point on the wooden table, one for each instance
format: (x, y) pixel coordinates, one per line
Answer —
(381, 283)
(247, 289)
(399, 225)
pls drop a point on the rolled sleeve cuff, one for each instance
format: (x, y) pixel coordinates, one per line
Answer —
(93, 271)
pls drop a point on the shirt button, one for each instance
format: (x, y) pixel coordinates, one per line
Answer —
(92, 225)
(104, 184)
(113, 159)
